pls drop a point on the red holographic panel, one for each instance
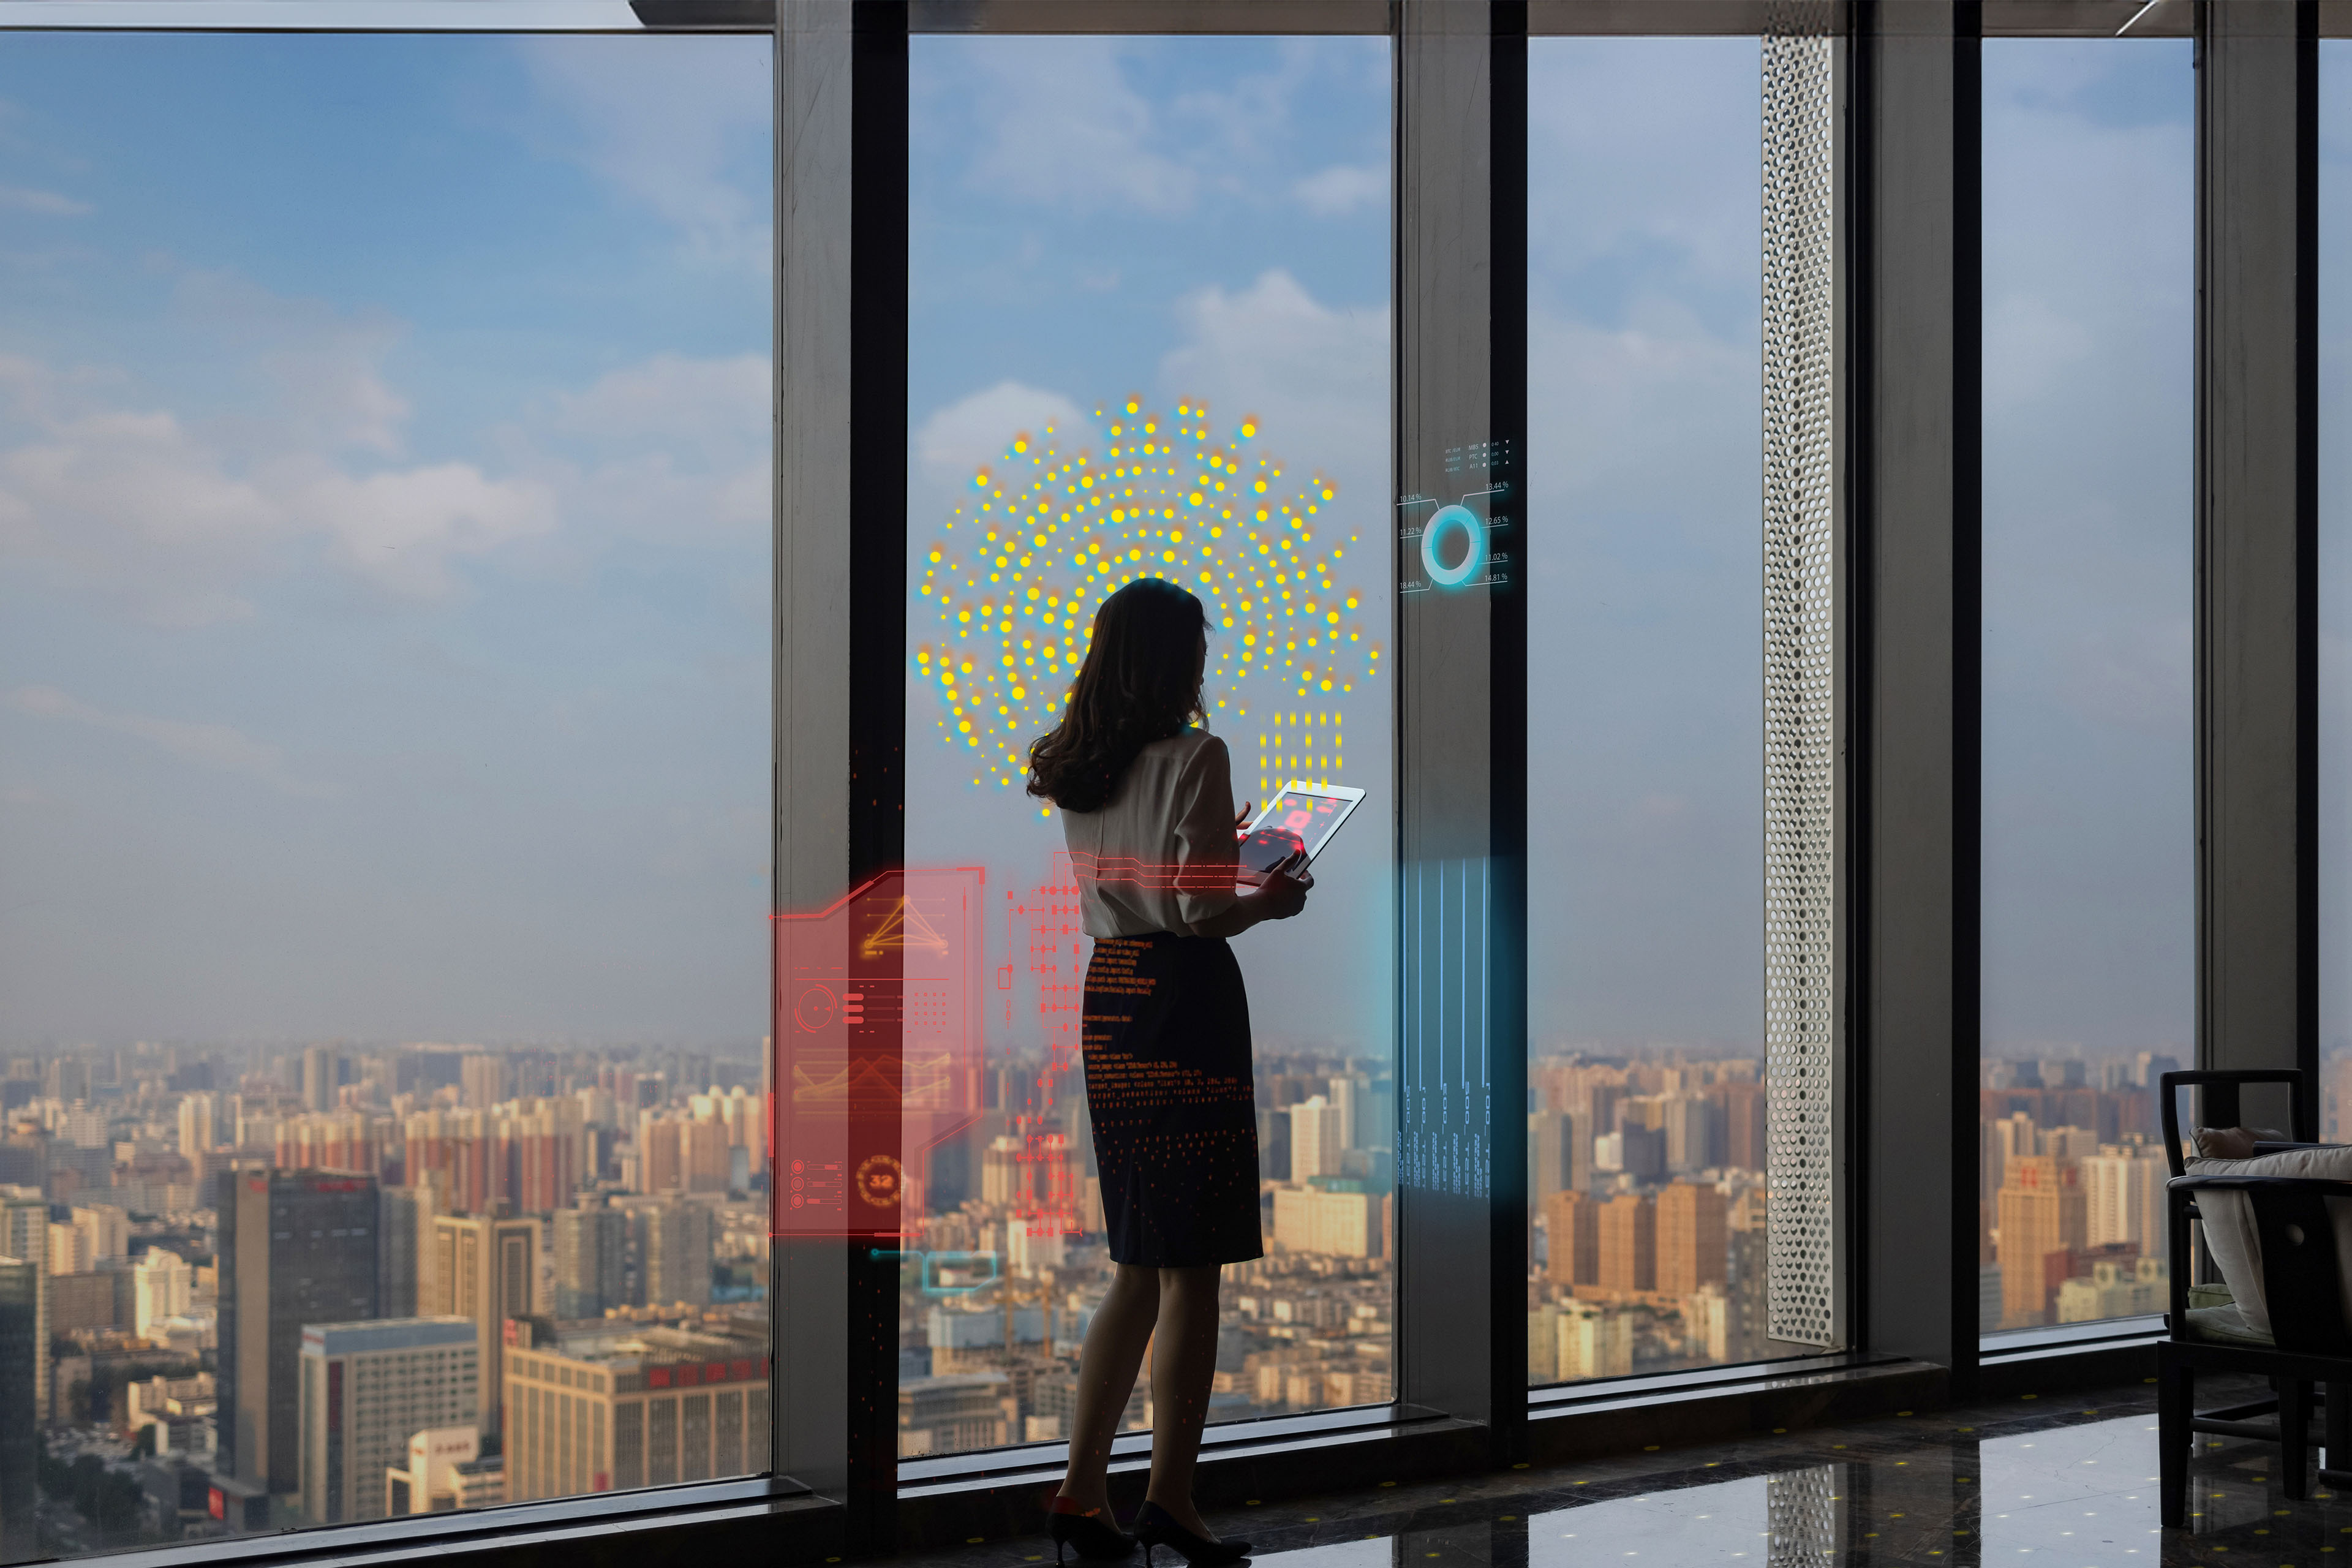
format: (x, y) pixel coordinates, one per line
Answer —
(1190, 877)
(875, 1025)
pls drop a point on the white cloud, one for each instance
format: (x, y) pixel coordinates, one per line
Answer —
(679, 126)
(1316, 374)
(1657, 416)
(219, 747)
(971, 432)
(49, 204)
(176, 520)
(1341, 189)
(1063, 128)
(319, 371)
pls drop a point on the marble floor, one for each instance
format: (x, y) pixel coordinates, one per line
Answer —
(2055, 1481)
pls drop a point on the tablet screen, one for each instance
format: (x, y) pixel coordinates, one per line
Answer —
(1311, 812)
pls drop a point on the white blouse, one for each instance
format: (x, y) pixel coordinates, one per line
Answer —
(1160, 854)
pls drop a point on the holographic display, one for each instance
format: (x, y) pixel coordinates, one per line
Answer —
(875, 1031)
(1446, 544)
(1052, 529)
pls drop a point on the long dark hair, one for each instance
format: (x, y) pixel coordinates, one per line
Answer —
(1141, 683)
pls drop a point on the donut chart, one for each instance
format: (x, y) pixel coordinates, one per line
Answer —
(1473, 553)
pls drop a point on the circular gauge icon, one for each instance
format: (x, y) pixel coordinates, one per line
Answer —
(1473, 545)
(878, 1181)
(814, 1008)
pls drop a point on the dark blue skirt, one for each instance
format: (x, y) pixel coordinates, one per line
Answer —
(1170, 1093)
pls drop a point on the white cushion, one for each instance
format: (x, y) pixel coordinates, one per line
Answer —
(2230, 1223)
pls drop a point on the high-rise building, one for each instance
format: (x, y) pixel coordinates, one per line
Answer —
(1572, 1227)
(484, 1078)
(24, 1239)
(322, 1072)
(296, 1247)
(1332, 1224)
(1273, 1144)
(1316, 1146)
(1628, 1239)
(70, 1249)
(483, 1270)
(1594, 1341)
(590, 1245)
(1742, 1107)
(2123, 1197)
(199, 1125)
(404, 1246)
(367, 1389)
(1693, 1143)
(1552, 1151)
(617, 1405)
(22, 1350)
(108, 1230)
(2042, 1217)
(66, 1080)
(675, 1251)
(1346, 1096)
(1691, 1248)
(162, 1286)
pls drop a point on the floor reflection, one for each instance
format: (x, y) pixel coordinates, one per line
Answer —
(2060, 1482)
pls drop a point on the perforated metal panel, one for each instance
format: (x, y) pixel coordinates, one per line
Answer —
(1800, 713)
(1803, 1518)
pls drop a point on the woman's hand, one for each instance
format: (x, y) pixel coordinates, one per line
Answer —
(1283, 892)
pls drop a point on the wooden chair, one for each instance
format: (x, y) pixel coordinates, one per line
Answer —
(2309, 1342)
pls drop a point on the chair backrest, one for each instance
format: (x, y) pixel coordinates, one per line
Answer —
(2303, 1277)
(2220, 1107)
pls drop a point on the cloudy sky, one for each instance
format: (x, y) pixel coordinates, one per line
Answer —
(382, 537)
(382, 557)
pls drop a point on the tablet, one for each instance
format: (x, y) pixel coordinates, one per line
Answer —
(1311, 812)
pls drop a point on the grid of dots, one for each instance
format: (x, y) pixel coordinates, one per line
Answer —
(1301, 744)
(1016, 573)
(1799, 712)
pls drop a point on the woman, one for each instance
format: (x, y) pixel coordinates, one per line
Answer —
(1146, 805)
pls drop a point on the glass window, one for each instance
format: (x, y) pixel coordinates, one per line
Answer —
(383, 767)
(1149, 329)
(2334, 602)
(1645, 1138)
(2089, 911)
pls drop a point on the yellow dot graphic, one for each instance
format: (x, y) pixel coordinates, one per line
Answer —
(1045, 479)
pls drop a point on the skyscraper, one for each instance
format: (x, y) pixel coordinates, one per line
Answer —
(24, 1238)
(1691, 1248)
(162, 1286)
(2042, 1216)
(483, 1269)
(321, 1076)
(484, 1077)
(676, 1248)
(369, 1387)
(589, 1244)
(1316, 1145)
(405, 1246)
(1628, 1237)
(1572, 1224)
(199, 1127)
(296, 1247)
(21, 1352)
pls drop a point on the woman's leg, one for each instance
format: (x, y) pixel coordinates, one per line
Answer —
(1184, 1367)
(1107, 1369)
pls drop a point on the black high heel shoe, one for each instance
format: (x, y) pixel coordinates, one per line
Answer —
(1089, 1531)
(1154, 1528)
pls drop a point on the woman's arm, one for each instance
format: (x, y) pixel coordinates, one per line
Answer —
(1278, 898)
(1209, 856)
